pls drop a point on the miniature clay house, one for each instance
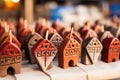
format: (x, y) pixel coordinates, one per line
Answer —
(69, 52)
(55, 38)
(31, 42)
(44, 52)
(111, 49)
(91, 49)
(10, 59)
(74, 36)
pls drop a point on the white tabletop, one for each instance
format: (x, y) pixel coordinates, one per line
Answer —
(98, 71)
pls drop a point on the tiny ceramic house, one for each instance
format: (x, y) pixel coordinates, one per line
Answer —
(31, 42)
(44, 52)
(10, 59)
(55, 38)
(69, 52)
(91, 49)
(111, 49)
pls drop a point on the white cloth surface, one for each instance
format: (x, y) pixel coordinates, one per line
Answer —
(98, 71)
(102, 70)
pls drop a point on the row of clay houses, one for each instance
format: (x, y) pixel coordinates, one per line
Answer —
(68, 47)
(72, 48)
(65, 46)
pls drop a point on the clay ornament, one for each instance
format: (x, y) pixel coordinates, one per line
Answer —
(55, 38)
(91, 49)
(68, 52)
(35, 37)
(111, 49)
(10, 59)
(44, 52)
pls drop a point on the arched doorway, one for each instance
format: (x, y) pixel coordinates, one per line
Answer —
(71, 63)
(113, 60)
(10, 71)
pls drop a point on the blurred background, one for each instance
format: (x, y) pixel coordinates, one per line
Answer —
(68, 11)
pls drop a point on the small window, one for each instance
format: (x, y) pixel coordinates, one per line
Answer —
(36, 40)
(57, 39)
(46, 46)
(10, 71)
(11, 52)
(115, 43)
(72, 45)
(113, 60)
(94, 43)
(71, 63)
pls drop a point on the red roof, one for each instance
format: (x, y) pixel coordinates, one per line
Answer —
(4, 49)
(107, 41)
(39, 45)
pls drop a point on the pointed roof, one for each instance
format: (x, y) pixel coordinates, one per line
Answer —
(64, 43)
(52, 35)
(34, 38)
(105, 35)
(74, 36)
(14, 50)
(94, 44)
(47, 57)
(108, 41)
(14, 40)
(39, 45)
(86, 41)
